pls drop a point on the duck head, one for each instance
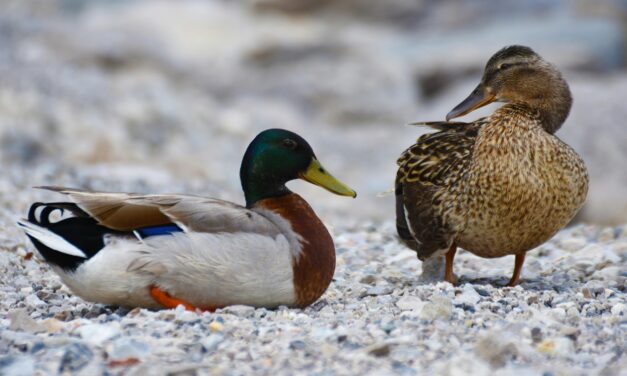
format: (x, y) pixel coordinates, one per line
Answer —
(516, 74)
(277, 156)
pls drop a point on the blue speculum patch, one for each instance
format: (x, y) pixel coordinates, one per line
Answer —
(168, 229)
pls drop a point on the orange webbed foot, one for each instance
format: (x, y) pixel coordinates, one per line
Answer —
(169, 301)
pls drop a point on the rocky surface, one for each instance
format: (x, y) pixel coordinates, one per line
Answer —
(164, 96)
(568, 317)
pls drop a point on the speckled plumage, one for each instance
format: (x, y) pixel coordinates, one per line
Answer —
(500, 185)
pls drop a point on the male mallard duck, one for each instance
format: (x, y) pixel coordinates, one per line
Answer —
(159, 251)
(500, 185)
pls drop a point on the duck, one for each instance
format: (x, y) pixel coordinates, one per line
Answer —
(500, 185)
(160, 251)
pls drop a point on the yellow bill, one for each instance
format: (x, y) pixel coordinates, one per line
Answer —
(316, 174)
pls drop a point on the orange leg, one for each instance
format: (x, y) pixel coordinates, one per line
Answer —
(520, 260)
(169, 301)
(448, 269)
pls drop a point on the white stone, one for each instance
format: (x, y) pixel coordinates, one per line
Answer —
(468, 296)
(240, 310)
(33, 300)
(440, 307)
(410, 303)
(96, 334)
(619, 309)
(379, 290)
(127, 348)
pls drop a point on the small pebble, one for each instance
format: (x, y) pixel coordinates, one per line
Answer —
(75, 357)
(439, 307)
(240, 310)
(97, 334)
(560, 346)
(380, 350)
(619, 309)
(379, 290)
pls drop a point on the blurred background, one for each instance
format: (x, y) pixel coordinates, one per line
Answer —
(164, 96)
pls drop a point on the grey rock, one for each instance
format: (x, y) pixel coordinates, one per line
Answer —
(496, 348)
(536, 334)
(17, 366)
(297, 345)
(379, 350)
(75, 357)
(211, 342)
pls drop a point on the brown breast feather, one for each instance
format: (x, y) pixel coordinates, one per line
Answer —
(314, 269)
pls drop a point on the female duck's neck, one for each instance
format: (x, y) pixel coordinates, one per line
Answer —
(553, 106)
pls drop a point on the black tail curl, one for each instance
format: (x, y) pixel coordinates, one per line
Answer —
(81, 230)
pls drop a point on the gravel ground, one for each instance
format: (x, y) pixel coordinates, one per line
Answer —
(568, 317)
(162, 96)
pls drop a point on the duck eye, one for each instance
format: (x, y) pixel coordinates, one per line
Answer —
(504, 66)
(290, 144)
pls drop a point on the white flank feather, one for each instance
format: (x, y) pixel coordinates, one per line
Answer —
(50, 239)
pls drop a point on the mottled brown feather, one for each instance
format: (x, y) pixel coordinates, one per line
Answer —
(427, 186)
(501, 185)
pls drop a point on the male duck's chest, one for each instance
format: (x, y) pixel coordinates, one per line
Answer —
(314, 254)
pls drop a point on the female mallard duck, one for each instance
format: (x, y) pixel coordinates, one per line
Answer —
(502, 184)
(159, 251)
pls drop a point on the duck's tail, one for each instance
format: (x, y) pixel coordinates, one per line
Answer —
(68, 242)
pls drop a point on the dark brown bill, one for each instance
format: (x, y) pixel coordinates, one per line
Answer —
(478, 98)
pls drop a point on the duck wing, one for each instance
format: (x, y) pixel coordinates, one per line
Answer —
(427, 171)
(130, 211)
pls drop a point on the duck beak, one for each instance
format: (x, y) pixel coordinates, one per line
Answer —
(316, 174)
(478, 98)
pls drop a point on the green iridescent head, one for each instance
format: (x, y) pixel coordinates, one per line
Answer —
(277, 156)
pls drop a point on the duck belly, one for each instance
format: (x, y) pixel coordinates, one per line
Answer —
(517, 201)
(217, 270)
(205, 270)
(105, 278)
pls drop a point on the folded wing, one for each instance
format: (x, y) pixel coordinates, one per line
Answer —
(128, 211)
(424, 181)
